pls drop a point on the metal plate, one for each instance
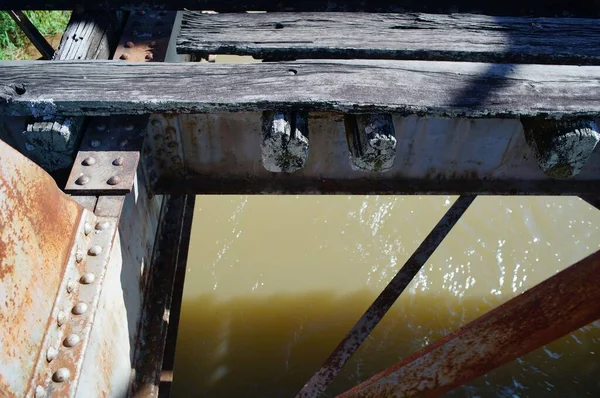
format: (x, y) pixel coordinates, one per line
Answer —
(108, 157)
(146, 36)
(37, 229)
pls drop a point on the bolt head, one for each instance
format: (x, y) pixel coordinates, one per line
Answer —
(118, 161)
(101, 127)
(79, 256)
(129, 44)
(51, 354)
(82, 180)
(87, 228)
(40, 392)
(129, 127)
(124, 56)
(61, 375)
(71, 340)
(61, 318)
(87, 278)
(95, 250)
(149, 56)
(95, 143)
(79, 308)
(102, 226)
(88, 161)
(70, 285)
(114, 180)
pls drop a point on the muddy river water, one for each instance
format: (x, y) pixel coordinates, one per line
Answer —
(274, 282)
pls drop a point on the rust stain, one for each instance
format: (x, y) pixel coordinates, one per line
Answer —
(34, 249)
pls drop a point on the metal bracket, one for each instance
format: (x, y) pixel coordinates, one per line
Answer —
(108, 157)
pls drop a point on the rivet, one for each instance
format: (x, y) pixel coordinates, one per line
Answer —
(61, 375)
(87, 278)
(129, 127)
(61, 318)
(101, 127)
(292, 72)
(149, 56)
(153, 43)
(124, 56)
(82, 180)
(118, 161)
(95, 143)
(87, 228)
(71, 340)
(129, 44)
(51, 354)
(79, 309)
(40, 392)
(70, 285)
(95, 250)
(78, 256)
(114, 180)
(88, 161)
(102, 226)
(155, 122)
(123, 143)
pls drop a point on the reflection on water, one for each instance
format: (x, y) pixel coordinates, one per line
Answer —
(274, 283)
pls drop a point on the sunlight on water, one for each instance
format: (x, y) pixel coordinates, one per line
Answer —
(273, 284)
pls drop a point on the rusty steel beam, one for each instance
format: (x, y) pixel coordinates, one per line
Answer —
(158, 319)
(560, 305)
(365, 325)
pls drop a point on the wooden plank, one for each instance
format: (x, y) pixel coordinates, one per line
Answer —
(52, 142)
(456, 37)
(222, 155)
(452, 89)
(90, 35)
(506, 7)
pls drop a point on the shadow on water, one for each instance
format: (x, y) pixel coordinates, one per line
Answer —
(269, 346)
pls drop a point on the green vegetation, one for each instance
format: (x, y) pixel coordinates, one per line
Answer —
(13, 42)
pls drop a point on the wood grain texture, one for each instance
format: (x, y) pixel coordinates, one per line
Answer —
(90, 35)
(456, 37)
(403, 87)
(505, 7)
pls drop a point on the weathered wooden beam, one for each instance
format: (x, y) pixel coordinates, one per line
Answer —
(507, 7)
(371, 141)
(455, 89)
(284, 142)
(561, 148)
(455, 37)
(51, 141)
(560, 305)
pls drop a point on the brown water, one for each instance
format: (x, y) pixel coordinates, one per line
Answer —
(273, 284)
